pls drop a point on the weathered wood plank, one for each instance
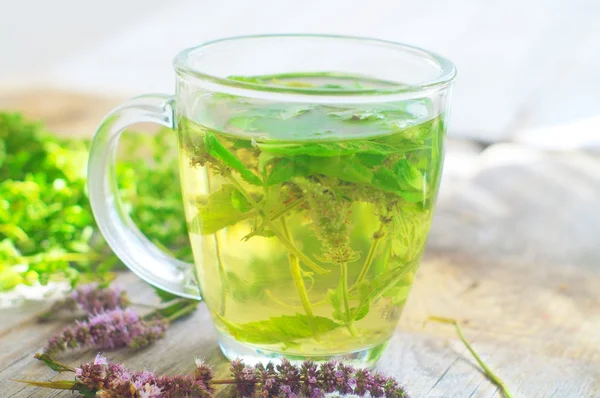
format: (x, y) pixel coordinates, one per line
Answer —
(538, 336)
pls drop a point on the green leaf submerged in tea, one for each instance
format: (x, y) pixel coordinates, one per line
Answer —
(285, 328)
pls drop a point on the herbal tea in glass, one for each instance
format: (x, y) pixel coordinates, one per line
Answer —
(309, 168)
(308, 222)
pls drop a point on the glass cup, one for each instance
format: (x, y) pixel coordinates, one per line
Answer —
(309, 167)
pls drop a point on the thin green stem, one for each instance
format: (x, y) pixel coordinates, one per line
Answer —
(143, 305)
(173, 309)
(299, 281)
(345, 298)
(224, 381)
(275, 216)
(486, 369)
(222, 275)
(286, 242)
(371, 254)
(187, 309)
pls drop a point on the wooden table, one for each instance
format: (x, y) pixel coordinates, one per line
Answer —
(513, 254)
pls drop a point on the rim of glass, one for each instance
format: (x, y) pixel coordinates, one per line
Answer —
(444, 77)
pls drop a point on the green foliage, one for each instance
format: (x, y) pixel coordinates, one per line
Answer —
(285, 328)
(320, 161)
(215, 149)
(47, 229)
(223, 207)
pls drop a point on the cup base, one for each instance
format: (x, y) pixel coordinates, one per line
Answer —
(232, 349)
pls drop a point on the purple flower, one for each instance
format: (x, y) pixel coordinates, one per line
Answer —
(364, 382)
(393, 389)
(377, 389)
(150, 391)
(181, 386)
(204, 374)
(284, 380)
(345, 379)
(309, 372)
(94, 299)
(245, 378)
(267, 379)
(93, 374)
(108, 330)
(328, 376)
(289, 377)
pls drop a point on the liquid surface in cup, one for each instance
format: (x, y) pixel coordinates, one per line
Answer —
(307, 221)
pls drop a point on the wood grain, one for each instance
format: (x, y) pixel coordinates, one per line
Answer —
(528, 298)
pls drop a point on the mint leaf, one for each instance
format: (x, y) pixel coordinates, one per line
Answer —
(218, 151)
(282, 329)
(389, 279)
(404, 183)
(220, 211)
(285, 169)
(386, 180)
(409, 175)
(364, 301)
(371, 159)
(345, 168)
(325, 149)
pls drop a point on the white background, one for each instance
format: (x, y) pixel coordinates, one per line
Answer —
(523, 64)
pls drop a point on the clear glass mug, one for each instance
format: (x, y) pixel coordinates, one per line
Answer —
(309, 168)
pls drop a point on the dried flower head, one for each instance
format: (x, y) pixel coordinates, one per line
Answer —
(108, 330)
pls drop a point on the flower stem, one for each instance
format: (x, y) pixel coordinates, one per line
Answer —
(186, 310)
(299, 281)
(52, 364)
(486, 369)
(222, 275)
(275, 216)
(371, 255)
(286, 242)
(174, 310)
(344, 284)
(223, 381)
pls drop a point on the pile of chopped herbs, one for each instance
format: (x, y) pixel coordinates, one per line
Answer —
(47, 230)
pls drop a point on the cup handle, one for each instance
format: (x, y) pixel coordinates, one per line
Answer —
(129, 244)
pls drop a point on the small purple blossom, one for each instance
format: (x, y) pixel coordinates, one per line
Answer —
(93, 374)
(309, 372)
(245, 378)
(94, 299)
(181, 386)
(111, 380)
(266, 377)
(364, 381)
(204, 374)
(108, 330)
(289, 377)
(150, 391)
(345, 379)
(328, 379)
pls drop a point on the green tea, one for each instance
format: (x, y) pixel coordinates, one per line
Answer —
(307, 222)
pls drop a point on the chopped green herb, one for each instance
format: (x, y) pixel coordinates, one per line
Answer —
(47, 230)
